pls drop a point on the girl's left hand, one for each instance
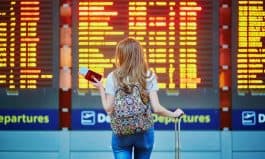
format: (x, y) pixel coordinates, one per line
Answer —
(178, 113)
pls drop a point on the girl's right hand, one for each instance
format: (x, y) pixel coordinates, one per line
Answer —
(97, 84)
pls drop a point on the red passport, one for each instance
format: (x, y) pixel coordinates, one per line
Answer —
(89, 74)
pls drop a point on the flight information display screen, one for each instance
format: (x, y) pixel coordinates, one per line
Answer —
(179, 39)
(29, 53)
(248, 54)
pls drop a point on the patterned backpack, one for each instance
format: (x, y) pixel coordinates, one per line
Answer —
(130, 114)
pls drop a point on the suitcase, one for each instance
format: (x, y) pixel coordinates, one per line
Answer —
(177, 137)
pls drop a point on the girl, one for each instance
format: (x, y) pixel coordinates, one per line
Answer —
(131, 68)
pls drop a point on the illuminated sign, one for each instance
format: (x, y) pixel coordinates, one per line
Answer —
(251, 47)
(249, 119)
(194, 119)
(29, 119)
(249, 60)
(177, 37)
(28, 54)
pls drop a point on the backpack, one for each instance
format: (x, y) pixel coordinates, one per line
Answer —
(130, 115)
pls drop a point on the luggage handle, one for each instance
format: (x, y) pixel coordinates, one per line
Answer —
(177, 136)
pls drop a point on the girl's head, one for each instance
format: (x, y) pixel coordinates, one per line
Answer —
(130, 63)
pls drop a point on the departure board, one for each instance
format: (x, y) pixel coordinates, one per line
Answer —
(179, 40)
(29, 53)
(249, 54)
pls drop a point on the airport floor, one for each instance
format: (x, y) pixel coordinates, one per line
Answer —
(67, 144)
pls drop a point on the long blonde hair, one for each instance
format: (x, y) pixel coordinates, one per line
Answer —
(131, 67)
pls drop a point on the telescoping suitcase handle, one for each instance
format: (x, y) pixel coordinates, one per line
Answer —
(177, 137)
